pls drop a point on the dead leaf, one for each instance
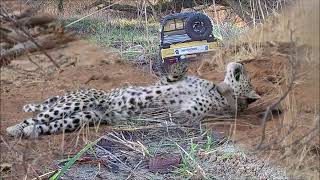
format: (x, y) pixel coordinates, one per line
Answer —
(164, 163)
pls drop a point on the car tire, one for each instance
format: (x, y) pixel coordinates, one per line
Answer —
(198, 26)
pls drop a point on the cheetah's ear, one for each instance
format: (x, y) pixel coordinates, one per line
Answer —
(237, 73)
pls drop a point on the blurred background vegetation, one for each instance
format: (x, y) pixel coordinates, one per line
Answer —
(131, 27)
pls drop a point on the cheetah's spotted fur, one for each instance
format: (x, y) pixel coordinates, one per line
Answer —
(193, 97)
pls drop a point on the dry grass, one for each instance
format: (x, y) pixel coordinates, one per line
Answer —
(292, 138)
(296, 142)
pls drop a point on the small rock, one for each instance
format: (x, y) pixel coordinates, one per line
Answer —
(105, 61)
(164, 163)
(106, 78)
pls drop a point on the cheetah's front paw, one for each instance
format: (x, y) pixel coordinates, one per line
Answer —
(22, 131)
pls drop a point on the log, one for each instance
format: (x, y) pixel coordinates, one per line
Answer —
(22, 14)
(27, 13)
(46, 41)
(42, 25)
(12, 36)
(35, 20)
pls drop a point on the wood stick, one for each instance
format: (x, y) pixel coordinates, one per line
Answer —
(45, 41)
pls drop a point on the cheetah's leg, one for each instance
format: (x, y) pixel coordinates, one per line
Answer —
(61, 111)
(48, 116)
(74, 122)
(67, 124)
(42, 106)
(17, 130)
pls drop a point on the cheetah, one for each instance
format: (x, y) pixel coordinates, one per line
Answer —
(189, 98)
(174, 72)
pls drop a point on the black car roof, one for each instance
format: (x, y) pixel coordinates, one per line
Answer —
(177, 16)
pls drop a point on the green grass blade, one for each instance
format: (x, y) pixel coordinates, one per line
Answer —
(73, 160)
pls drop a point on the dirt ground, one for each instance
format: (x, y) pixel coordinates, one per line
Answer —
(18, 89)
(86, 65)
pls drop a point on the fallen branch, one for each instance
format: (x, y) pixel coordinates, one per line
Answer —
(34, 20)
(39, 47)
(31, 11)
(17, 33)
(12, 36)
(45, 42)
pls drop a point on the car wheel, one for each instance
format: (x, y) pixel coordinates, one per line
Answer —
(198, 26)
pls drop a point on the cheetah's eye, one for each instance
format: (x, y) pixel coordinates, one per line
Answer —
(237, 73)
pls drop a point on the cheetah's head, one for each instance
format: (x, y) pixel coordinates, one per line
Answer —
(237, 78)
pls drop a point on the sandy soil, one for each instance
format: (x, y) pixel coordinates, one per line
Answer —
(86, 65)
(18, 89)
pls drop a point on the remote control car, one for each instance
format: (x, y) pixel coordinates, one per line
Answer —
(184, 36)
